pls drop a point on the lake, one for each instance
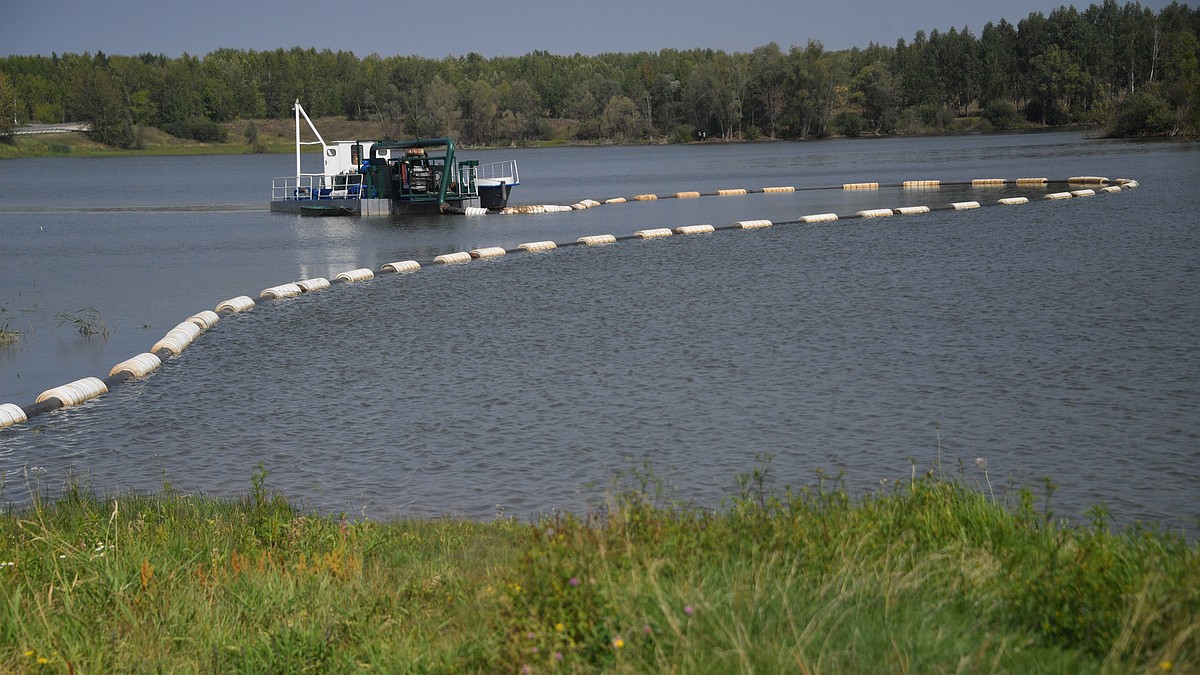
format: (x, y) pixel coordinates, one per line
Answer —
(1055, 339)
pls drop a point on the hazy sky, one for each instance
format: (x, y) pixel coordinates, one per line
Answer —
(500, 27)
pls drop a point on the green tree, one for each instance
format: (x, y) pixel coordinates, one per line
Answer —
(874, 89)
(481, 109)
(620, 118)
(439, 111)
(8, 105)
(100, 101)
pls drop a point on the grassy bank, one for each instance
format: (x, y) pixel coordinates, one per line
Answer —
(924, 576)
(271, 136)
(279, 136)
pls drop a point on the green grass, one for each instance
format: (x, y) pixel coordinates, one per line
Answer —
(923, 576)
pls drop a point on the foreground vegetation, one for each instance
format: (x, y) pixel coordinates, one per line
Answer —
(928, 575)
(1126, 67)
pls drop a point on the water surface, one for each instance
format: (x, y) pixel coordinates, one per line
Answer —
(1054, 338)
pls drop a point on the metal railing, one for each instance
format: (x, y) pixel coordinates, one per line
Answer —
(505, 170)
(316, 186)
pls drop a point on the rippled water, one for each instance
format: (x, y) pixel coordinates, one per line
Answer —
(1057, 339)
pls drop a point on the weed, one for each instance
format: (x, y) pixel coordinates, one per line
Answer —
(87, 321)
(925, 575)
(8, 336)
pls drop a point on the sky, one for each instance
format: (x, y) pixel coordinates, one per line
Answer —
(438, 28)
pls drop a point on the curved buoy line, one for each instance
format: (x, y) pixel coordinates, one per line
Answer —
(911, 185)
(178, 338)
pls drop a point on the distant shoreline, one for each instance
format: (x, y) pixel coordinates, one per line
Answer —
(159, 144)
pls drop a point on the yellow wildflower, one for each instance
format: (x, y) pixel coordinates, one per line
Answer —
(618, 642)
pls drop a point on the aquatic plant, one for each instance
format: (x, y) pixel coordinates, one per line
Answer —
(87, 321)
(8, 336)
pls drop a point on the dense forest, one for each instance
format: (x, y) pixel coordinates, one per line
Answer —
(1123, 67)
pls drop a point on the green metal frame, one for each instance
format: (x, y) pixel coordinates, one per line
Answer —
(450, 168)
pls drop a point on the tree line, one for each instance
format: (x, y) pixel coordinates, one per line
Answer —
(1122, 66)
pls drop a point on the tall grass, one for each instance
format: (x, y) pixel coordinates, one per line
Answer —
(927, 575)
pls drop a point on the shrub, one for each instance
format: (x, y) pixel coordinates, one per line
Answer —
(1141, 114)
(198, 129)
(849, 123)
(1000, 114)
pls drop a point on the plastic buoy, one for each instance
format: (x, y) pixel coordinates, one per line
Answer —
(875, 213)
(646, 197)
(1111, 188)
(585, 204)
(401, 266)
(234, 305)
(686, 195)
(860, 186)
(963, 206)
(983, 182)
(558, 208)
(281, 291)
(615, 200)
(1013, 200)
(360, 274)
(654, 233)
(732, 192)
(1032, 181)
(314, 284)
(1084, 193)
(205, 319)
(530, 208)
(74, 393)
(752, 224)
(453, 258)
(177, 339)
(910, 184)
(1127, 183)
(10, 414)
(475, 211)
(912, 210)
(488, 252)
(139, 366)
(1086, 180)
(534, 246)
(694, 229)
(1059, 195)
(597, 239)
(820, 218)
(776, 190)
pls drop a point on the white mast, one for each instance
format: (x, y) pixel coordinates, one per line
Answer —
(300, 111)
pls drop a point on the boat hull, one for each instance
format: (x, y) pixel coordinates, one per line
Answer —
(317, 207)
